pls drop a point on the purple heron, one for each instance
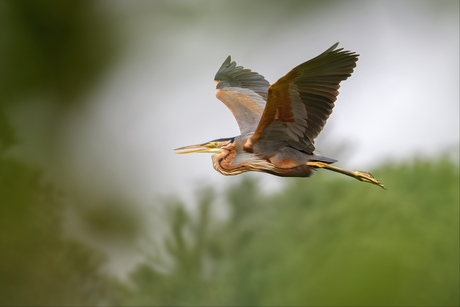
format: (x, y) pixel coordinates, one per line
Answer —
(279, 122)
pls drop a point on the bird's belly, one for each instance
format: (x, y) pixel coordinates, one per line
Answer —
(297, 171)
(289, 168)
(283, 163)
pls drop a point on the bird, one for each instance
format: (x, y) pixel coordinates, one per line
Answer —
(280, 122)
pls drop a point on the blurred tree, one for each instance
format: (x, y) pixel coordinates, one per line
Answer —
(53, 50)
(320, 242)
(38, 266)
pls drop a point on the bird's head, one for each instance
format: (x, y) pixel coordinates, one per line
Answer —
(215, 146)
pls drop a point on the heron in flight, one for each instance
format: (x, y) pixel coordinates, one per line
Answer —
(279, 122)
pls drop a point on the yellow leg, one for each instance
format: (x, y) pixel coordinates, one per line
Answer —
(361, 176)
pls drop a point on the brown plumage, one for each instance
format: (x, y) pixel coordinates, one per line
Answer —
(279, 123)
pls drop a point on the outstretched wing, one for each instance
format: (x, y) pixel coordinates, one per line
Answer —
(299, 103)
(244, 92)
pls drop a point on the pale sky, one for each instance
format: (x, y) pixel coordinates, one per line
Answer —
(401, 101)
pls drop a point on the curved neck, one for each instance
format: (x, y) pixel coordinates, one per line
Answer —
(224, 163)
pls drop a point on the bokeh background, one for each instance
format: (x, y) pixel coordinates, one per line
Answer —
(95, 209)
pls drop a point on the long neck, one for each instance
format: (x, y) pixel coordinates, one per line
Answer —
(225, 164)
(222, 163)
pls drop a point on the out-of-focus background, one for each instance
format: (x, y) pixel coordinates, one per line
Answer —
(95, 209)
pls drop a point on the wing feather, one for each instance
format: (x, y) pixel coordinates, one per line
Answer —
(299, 103)
(244, 92)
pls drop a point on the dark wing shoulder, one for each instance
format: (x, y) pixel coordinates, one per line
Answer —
(244, 92)
(299, 103)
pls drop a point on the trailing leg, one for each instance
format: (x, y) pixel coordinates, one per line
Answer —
(361, 176)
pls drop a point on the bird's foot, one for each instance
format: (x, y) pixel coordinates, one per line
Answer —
(367, 177)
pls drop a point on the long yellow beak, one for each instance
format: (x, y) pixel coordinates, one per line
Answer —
(195, 149)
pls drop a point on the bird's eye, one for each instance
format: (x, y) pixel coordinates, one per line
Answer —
(213, 144)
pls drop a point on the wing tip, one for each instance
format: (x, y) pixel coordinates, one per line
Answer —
(334, 46)
(226, 64)
(333, 49)
(227, 61)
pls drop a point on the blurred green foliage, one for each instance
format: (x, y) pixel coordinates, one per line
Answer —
(56, 50)
(321, 241)
(53, 48)
(38, 265)
(318, 242)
